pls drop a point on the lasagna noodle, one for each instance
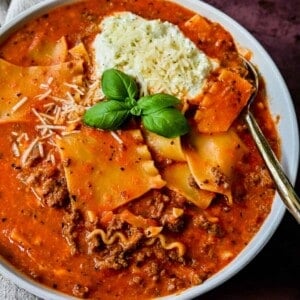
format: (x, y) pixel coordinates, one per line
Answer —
(212, 159)
(212, 36)
(167, 245)
(19, 83)
(136, 221)
(46, 53)
(79, 52)
(222, 102)
(164, 147)
(102, 173)
(179, 178)
(124, 241)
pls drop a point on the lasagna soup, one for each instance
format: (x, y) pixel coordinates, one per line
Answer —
(126, 212)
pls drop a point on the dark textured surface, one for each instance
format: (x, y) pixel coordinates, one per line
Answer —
(275, 273)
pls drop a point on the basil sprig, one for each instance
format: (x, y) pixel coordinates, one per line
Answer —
(158, 112)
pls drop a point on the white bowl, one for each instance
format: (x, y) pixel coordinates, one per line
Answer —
(280, 104)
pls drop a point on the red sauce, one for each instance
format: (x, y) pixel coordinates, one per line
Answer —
(213, 237)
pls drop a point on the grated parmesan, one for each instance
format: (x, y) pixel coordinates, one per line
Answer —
(19, 104)
(156, 53)
(54, 127)
(27, 152)
(116, 137)
(15, 150)
(44, 95)
(38, 115)
(36, 195)
(41, 149)
(54, 119)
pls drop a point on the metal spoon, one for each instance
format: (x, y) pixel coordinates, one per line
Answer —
(283, 185)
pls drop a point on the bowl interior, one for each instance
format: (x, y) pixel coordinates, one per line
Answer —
(280, 105)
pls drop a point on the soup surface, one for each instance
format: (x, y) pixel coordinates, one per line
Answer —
(125, 213)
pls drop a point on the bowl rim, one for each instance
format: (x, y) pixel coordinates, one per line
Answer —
(290, 161)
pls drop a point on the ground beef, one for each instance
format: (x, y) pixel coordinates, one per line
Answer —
(156, 205)
(136, 280)
(135, 236)
(33, 159)
(116, 256)
(153, 270)
(176, 199)
(192, 182)
(93, 244)
(80, 291)
(172, 223)
(220, 178)
(142, 256)
(112, 258)
(47, 181)
(213, 228)
(69, 229)
(115, 224)
(260, 178)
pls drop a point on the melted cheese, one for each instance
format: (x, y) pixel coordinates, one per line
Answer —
(212, 159)
(156, 53)
(102, 173)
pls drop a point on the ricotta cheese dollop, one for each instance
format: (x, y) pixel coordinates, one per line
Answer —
(155, 53)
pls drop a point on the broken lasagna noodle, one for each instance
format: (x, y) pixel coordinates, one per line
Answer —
(126, 214)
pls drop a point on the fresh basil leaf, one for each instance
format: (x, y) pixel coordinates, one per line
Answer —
(168, 122)
(153, 103)
(136, 111)
(158, 111)
(130, 102)
(116, 85)
(109, 115)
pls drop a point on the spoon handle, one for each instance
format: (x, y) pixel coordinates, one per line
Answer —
(284, 187)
